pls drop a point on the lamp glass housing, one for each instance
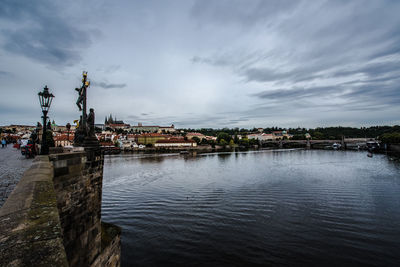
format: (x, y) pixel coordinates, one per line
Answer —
(45, 99)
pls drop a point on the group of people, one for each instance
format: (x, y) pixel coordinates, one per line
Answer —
(27, 145)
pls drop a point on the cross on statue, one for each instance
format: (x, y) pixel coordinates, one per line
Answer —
(85, 133)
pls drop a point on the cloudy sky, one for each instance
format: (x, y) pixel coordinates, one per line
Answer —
(204, 63)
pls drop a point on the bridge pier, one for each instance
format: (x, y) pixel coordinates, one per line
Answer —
(308, 144)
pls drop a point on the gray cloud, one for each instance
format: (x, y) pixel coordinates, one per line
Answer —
(109, 85)
(297, 93)
(239, 12)
(204, 63)
(43, 33)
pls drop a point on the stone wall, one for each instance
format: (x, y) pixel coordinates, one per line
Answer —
(53, 217)
(110, 246)
(78, 184)
(30, 229)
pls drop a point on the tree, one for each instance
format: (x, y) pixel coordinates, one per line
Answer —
(222, 142)
(224, 136)
(253, 142)
(211, 143)
(196, 139)
(390, 138)
(244, 142)
(318, 135)
(231, 143)
(299, 137)
(236, 139)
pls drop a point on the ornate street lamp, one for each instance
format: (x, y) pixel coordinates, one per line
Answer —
(45, 99)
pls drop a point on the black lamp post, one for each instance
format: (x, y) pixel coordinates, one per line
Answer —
(45, 99)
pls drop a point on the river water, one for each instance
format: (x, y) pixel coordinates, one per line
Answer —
(280, 208)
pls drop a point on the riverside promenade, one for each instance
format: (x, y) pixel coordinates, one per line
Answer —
(12, 166)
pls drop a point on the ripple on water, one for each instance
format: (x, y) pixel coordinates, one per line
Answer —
(277, 208)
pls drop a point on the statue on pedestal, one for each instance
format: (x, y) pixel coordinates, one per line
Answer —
(85, 133)
(90, 123)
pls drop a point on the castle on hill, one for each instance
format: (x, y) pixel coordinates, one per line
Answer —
(111, 121)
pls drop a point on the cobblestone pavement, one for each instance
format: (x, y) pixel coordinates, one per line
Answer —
(12, 166)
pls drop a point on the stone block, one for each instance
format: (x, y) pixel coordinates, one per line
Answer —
(61, 171)
(60, 163)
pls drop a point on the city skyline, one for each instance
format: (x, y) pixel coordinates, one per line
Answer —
(204, 63)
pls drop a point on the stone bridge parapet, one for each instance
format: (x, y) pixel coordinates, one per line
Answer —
(53, 216)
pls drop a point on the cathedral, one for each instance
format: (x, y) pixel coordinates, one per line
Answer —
(110, 120)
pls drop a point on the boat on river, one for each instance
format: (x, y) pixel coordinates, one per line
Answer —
(336, 146)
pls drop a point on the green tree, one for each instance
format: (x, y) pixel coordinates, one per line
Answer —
(222, 142)
(231, 143)
(244, 142)
(390, 138)
(224, 136)
(204, 141)
(196, 139)
(253, 142)
(318, 135)
(299, 137)
(211, 143)
(236, 139)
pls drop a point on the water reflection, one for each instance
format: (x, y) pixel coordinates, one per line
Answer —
(247, 208)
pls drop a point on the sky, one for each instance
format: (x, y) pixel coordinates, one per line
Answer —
(204, 63)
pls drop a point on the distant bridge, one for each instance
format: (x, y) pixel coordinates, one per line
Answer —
(351, 142)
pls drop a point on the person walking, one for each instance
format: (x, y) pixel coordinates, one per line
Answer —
(3, 143)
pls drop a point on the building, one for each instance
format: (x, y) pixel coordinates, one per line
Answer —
(282, 135)
(18, 128)
(63, 140)
(140, 128)
(211, 138)
(115, 124)
(100, 126)
(144, 129)
(261, 137)
(167, 129)
(150, 138)
(276, 135)
(175, 143)
(198, 135)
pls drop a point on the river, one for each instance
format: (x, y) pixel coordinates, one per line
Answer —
(280, 208)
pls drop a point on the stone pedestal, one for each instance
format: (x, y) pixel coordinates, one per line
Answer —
(91, 141)
(78, 181)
